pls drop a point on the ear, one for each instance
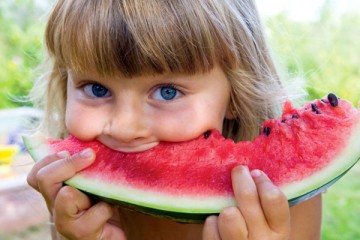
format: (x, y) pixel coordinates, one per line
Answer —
(230, 113)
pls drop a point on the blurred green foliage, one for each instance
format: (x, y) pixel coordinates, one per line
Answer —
(325, 53)
(21, 31)
(341, 214)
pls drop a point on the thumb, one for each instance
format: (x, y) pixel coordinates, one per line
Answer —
(104, 212)
(112, 232)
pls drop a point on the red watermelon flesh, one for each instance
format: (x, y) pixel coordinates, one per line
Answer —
(301, 152)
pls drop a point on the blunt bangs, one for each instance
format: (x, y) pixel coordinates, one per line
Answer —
(134, 37)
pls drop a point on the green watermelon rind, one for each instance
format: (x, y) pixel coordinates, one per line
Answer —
(193, 209)
(180, 209)
(345, 160)
(189, 209)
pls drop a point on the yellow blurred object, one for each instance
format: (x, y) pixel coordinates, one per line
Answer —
(7, 153)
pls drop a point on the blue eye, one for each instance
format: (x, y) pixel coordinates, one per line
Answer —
(96, 90)
(166, 93)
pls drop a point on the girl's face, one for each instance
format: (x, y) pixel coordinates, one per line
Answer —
(135, 114)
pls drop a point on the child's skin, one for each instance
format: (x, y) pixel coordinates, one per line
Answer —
(135, 114)
(132, 73)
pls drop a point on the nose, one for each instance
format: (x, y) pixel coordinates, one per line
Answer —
(128, 122)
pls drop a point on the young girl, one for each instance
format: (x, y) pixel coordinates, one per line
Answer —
(132, 73)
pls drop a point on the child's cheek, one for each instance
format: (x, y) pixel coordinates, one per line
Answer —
(81, 123)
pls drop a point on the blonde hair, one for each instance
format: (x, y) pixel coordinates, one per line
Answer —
(134, 37)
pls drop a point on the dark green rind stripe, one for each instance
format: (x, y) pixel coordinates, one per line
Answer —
(184, 217)
(181, 217)
(313, 193)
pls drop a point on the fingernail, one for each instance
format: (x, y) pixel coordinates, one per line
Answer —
(256, 173)
(244, 168)
(87, 153)
(63, 154)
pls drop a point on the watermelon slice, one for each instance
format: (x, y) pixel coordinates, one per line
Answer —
(303, 152)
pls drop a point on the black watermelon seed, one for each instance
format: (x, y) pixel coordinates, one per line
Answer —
(267, 131)
(314, 108)
(333, 99)
(283, 120)
(295, 116)
(207, 134)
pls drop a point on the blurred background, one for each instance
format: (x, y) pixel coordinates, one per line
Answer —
(317, 41)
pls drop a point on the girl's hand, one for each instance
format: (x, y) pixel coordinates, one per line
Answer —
(262, 210)
(74, 215)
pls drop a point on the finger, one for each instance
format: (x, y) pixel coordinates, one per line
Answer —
(70, 203)
(112, 232)
(248, 201)
(97, 215)
(51, 177)
(111, 229)
(210, 230)
(74, 216)
(274, 203)
(32, 179)
(232, 224)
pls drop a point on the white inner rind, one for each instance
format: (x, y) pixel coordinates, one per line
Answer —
(152, 199)
(38, 148)
(345, 160)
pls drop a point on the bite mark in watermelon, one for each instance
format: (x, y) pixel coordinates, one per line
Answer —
(303, 152)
